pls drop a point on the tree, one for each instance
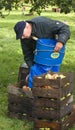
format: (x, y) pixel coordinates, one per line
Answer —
(65, 6)
(38, 5)
(73, 5)
(7, 5)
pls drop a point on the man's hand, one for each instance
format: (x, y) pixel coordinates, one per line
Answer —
(58, 46)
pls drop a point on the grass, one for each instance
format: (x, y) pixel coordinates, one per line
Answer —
(11, 57)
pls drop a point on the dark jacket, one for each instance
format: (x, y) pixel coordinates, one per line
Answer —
(44, 28)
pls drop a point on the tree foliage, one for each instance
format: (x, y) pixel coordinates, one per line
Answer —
(7, 5)
(38, 5)
(65, 6)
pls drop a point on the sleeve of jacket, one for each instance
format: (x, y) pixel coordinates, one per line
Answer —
(62, 30)
(27, 52)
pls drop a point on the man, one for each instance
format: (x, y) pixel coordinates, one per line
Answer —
(40, 27)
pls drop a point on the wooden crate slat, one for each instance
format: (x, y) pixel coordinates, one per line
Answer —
(53, 103)
(16, 108)
(49, 113)
(13, 98)
(56, 83)
(37, 82)
(19, 100)
(46, 124)
(25, 107)
(12, 89)
(17, 115)
(51, 92)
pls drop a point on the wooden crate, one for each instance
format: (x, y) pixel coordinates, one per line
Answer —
(64, 124)
(53, 99)
(51, 110)
(41, 81)
(23, 72)
(19, 103)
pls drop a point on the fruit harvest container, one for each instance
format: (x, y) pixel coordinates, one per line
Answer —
(19, 103)
(53, 101)
(44, 53)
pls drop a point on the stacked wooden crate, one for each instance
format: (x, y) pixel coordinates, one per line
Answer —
(53, 102)
(49, 104)
(20, 101)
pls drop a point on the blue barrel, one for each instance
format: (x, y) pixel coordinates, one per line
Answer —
(44, 54)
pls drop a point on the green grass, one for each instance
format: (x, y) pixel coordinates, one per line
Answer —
(11, 57)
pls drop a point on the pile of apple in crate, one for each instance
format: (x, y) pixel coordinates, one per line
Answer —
(53, 106)
(49, 104)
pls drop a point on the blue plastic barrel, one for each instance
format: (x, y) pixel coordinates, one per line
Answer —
(44, 54)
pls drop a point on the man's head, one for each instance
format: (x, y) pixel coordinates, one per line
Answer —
(22, 30)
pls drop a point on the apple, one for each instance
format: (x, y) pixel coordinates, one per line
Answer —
(48, 76)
